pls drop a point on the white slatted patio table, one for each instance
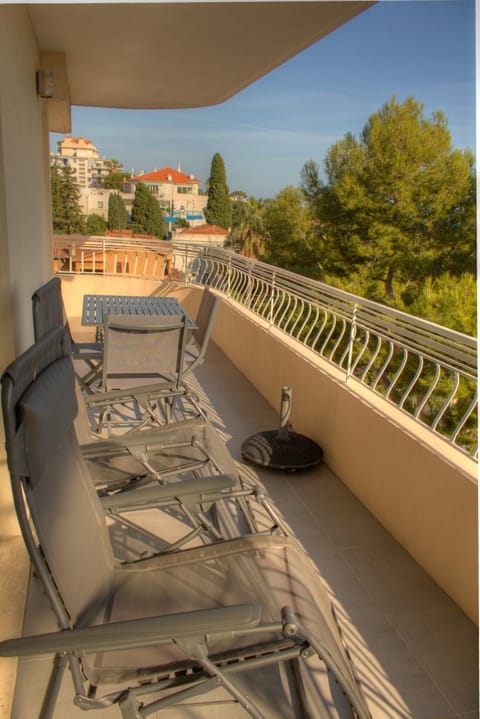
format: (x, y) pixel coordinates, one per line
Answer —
(97, 307)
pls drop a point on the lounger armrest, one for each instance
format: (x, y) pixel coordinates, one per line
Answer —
(150, 439)
(152, 391)
(205, 489)
(153, 631)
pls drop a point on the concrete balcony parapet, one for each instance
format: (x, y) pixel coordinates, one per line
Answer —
(421, 488)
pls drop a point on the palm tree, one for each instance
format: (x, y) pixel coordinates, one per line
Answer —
(248, 230)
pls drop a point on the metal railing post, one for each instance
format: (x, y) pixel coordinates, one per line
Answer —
(272, 299)
(351, 340)
(229, 276)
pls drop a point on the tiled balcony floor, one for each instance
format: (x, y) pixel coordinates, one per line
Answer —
(415, 652)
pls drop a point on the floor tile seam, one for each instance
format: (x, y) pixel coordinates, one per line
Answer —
(414, 651)
(379, 694)
(361, 545)
(306, 507)
(418, 670)
(428, 613)
(358, 576)
(328, 534)
(398, 682)
(442, 693)
(424, 670)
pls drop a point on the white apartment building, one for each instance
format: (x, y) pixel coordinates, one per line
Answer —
(84, 159)
(177, 193)
(89, 168)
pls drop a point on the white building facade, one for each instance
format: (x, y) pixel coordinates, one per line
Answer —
(83, 158)
(89, 169)
(178, 194)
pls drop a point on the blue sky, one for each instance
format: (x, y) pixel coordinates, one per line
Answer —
(268, 131)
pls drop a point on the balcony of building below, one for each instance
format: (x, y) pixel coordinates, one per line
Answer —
(389, 518)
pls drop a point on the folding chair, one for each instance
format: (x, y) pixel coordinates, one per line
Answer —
(189, 629)
(49, 311)
(143, 380)
(195, 351)
(143, 371)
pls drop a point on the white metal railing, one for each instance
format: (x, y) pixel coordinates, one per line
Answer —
(428, 371)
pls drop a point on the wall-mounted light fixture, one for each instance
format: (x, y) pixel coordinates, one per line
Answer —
(45, 83)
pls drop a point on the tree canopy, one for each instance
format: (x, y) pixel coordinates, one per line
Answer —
(67, 216)
(397, 206)
(219, 206)
(290, 241)
(147, 216)
(115, 180)
(117, 212)
(95, 225)
(393, 220)
(248, 232)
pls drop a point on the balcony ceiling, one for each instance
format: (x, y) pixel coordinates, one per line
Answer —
(178, 54)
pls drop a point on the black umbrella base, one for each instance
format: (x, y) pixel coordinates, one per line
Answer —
(268, 450)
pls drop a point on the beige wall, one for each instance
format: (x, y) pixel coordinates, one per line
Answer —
(420, 489)
(25, 263)
(25, 256)
(423, 491)
(89, 199)
(75, 286)
(25, 168)
(201, 239)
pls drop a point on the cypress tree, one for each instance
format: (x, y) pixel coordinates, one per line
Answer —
(155, 224)
(146, 213)
(140, 206)
(117, 212)
(219, 206)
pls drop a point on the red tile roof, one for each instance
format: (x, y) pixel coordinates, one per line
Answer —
(206, 230)
(163, 175)
(129, 233)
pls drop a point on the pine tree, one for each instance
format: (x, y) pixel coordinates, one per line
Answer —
(67, 215)
(115, 180)
(398, 205)
(117, 212)
(219, 206)
(289, 239)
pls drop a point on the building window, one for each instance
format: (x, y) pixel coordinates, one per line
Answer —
(184, 189)
(99, 205)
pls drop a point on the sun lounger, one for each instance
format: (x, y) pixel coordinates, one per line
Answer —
(244, 624)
